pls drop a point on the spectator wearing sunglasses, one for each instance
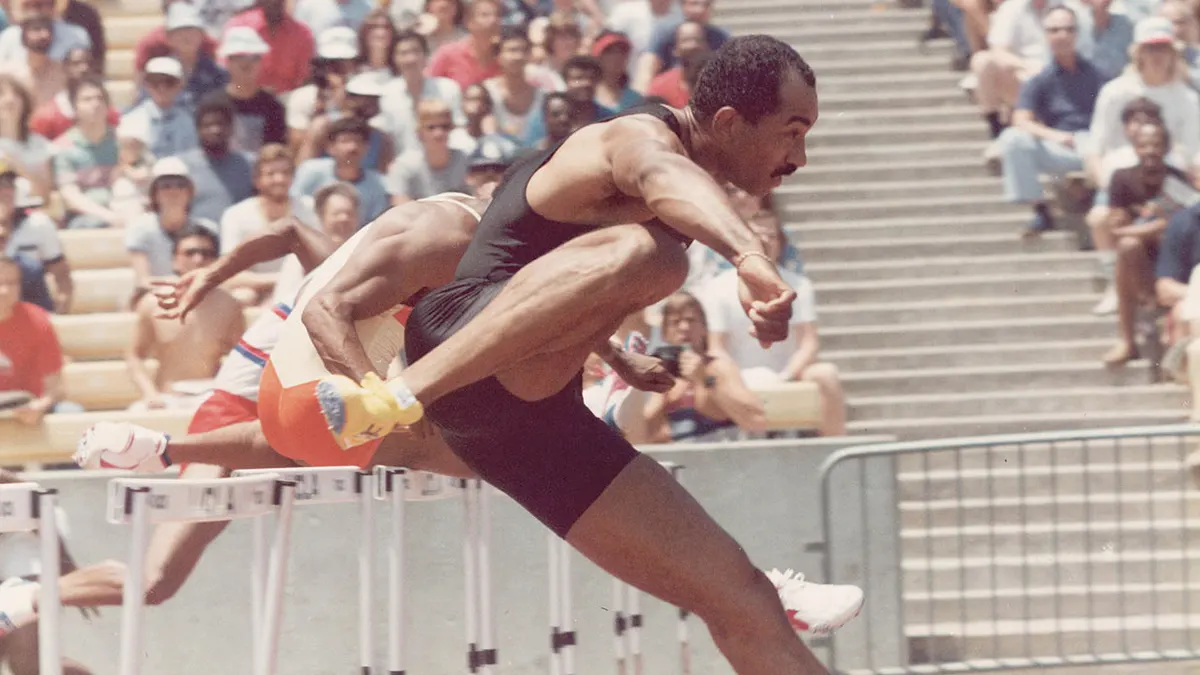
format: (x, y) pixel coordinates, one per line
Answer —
(434, 166)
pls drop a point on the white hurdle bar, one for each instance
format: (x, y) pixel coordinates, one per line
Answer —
(141, 502)
(320, 486)
(627, 619)
(27, 507)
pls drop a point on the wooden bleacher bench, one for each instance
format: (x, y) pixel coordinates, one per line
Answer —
(102, 336)
(101, 290)
(102, 385)
(94, 249)
(54, 440)
(791, 405)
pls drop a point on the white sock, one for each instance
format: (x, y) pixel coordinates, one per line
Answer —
(402, 393)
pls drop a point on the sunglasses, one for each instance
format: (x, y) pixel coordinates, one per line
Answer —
(162, 82)
(173, 184)
(206, 253)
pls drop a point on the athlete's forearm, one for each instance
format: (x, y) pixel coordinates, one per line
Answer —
(238, 446)
(329, 320)
(282, 237)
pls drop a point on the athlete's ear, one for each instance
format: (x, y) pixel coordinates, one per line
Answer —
(725, 122)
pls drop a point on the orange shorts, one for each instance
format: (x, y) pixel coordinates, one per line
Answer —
(221, 409)
(294, 426)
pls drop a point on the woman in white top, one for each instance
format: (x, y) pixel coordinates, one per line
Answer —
(21, 150)
(514, 99)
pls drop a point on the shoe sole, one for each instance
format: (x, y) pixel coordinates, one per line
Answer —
(825, 629)
(333, 406)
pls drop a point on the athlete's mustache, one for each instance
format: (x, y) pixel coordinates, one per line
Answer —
(785, 170)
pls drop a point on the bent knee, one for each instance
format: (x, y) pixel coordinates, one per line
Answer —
(1129, 245)
(823, 373)
(652, 256)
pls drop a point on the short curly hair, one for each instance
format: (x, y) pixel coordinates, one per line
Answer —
(746, 74)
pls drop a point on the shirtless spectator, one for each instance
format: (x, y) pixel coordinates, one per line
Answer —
(273, 173)
(86, 158)
(793, 360)
(1142, 200)
(432, 168)
(661, 55)
(170, 121)
(675, 85)
(31, 358)
(221, 176)
(190, 352)
(56, 117)
(348, 138)
(472, 59)
(32, 235)
(43, 76)
(151, 238)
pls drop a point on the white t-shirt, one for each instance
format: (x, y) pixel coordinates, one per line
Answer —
(724, 313)
(1181, 112)
(35, 151)
(36, 237)
(400, 110)
(244, 219)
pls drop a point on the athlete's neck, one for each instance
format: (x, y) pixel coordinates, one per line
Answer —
(700, 146)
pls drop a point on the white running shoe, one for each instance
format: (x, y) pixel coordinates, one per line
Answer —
(121, 445)
(16, 604)
(818, 609)
(616, 391)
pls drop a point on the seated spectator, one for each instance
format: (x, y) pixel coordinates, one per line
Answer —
(709, 391)
(337, 211)
(480, 124)
(66, 36)
(675, 85)
(562, 39)
(486, 167)
(221, 176)
(273, 173)
(1187, 34)
(640, 20)
(432, 168)
(612, 50)
(259, 117)
(1113, 35)
(172, 124)
(320, 15)
(86, 157)
(788, 361)
(132, 176)
(337, 54)
(661, 55)
(155, 43)
(514, 98)
(410, 84)
(376, 36)
(185, 40)
(363, 93)
(441, 24)
(21, 150)
(347, 143)
(1049, 125)
(559, 112)
(286, 65)
(582, 73)
(31, 357)
(947, 20)
(1017, 50)
(188, 352)
(472, 59)
(41, 75)
(151, 238)
(56, 117)
(32, 237)
(1142, 200)
(1177, 286)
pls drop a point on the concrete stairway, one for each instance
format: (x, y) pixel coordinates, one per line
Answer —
(943, 321)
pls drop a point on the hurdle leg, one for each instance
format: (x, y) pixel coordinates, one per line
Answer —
(135, 581)
(555, 586)
(634, 635)
(488, 653)
(49, 603)
(567, 634)
(618, 603)
(395, 486)
(470, 589)
(260, 550)
(268, 652)
(366, 535)
(685, 649)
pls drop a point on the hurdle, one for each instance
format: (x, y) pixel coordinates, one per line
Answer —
(27, 507)
(141, 502)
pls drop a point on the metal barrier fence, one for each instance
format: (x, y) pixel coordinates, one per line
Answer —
(1019, 551)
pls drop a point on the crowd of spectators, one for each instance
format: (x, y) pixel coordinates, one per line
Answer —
(1103, 94)
(328, 112)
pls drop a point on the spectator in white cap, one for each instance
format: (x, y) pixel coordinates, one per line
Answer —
(185, 39)
(172, 128)
(287, 65)
(85, 158)
(433, 167)
(66, 36)
(260, 116)
(150, 238)
(362, 101)
(410, 55)
(337, 58)
(42, 75)
(319, 15)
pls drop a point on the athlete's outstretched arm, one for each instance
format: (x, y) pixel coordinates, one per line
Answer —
(287, 235)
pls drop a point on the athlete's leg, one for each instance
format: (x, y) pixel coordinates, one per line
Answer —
(648, 531)
(420, 448)
(21, 648)
(237, 446)
(560, 302)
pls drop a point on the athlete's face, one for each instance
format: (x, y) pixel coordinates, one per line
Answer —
(339, 219)
(757, 155)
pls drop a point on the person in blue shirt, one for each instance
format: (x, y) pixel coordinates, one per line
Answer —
(1113, 34)
(348, 138)
(582, 75)
(1048, 134)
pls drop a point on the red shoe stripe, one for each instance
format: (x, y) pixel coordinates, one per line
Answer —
(797, 623)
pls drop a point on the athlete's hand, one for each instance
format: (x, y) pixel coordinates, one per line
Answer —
(643, 372)
(177, 297)
(766, 298)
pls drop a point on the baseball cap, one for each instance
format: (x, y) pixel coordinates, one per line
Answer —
(365, 84)
(489, 154)
(338, 43)
(181, 14)
(165, 65)
(1155, 30)
(242, 41)
(611, 39)
(169, 167)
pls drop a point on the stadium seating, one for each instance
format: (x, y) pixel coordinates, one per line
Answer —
(55, 439)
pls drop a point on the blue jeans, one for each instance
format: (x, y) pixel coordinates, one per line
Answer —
(951, 18)
(82, 221)
(33, 282)
(1026, 157)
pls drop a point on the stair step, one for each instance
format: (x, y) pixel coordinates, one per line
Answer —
(847, 19)
(934, 169)
(880, 82)
(939, 149)
(914, 97)
(958, 356)
(853, 207)
(805, 7)
(986, 425)
(1018, 266)
(930, 226)
(799, 193)
(799, 32)
(992, 508)
(938, 288)
(964, 309)
(866, 250)
(988, 379)
(908, 63)
(838, 136)
(1075, 399)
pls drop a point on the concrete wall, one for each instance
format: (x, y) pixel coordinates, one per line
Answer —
(763, 492)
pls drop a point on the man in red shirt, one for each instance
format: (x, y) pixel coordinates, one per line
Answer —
(472, 59)
(286, 66)
(30, 354)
